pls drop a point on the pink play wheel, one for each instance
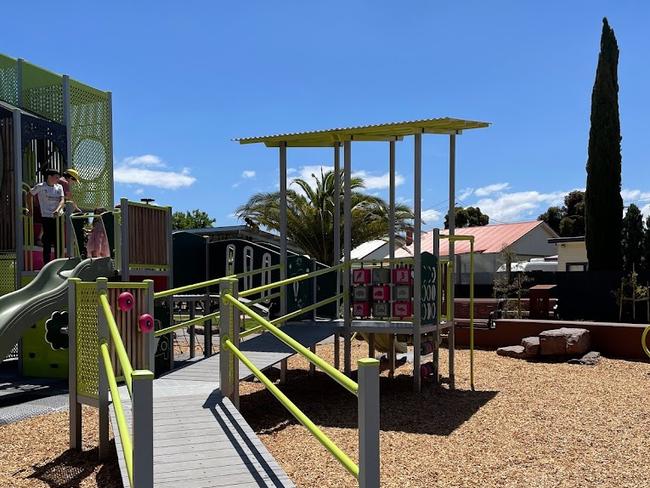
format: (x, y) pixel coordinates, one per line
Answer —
(145, 323)
(125, 301)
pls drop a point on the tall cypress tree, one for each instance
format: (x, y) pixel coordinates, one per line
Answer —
(604, 205)
(632, 240)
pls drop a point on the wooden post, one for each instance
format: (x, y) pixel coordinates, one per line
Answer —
(142, 428)
(207, 327)
(192, 331)
(149, 339)
(229, 329)
(103, 336)
(74, 407)
(368, 402)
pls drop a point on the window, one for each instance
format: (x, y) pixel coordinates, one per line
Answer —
(248, 266)
(230, 259)
(266, 275)
(576, 266)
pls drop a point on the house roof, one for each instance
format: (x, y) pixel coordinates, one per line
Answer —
(367, 248)
(487, 238)
(375, 132)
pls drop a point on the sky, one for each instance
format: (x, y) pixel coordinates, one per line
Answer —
(188, 77)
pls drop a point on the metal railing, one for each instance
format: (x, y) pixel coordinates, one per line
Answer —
(366, 390)
(138, 445)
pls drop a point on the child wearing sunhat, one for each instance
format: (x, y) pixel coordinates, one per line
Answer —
(69, 177)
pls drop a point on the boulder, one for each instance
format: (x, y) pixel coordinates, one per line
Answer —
(531, 345)
(564, 342)
(589, 359)
(512, 352)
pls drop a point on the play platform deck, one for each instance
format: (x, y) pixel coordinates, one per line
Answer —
(200, 439)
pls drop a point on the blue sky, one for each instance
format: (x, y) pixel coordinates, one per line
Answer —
(188, 76)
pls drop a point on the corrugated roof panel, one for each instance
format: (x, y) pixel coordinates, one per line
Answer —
(487, 238)
(328, 137)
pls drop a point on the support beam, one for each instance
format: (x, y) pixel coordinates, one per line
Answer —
(347, 248)
(74, 407)
(436, 345)
(337, 220)
(451, 341)
(18, 191)
(283, 225)
(417, 258)
(102, 397)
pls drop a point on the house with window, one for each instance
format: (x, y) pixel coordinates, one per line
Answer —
(523, 240)
(571, 253)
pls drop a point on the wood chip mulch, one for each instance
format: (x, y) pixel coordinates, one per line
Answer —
(527, 425)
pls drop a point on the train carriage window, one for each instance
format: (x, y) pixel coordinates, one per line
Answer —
(248, 266)
(230, 259)
(266, 275)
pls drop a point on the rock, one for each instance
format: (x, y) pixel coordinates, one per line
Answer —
(564, 342)
(531, 345)
(512, 352)
(589, 359)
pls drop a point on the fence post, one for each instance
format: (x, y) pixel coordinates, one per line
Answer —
(102, 334)
(74, 406)
(142, 428)
(228, 329)
(69, 230)
(207, 327)
(191, 306)
(149, 339)
(368, 423)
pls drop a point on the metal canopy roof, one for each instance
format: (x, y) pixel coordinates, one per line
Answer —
(377, 132)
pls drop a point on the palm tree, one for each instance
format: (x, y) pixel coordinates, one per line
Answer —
(310, 221)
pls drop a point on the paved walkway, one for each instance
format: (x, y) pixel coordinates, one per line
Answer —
(200, 439)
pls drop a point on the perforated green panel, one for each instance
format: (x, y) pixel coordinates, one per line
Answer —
(8, 80)
(87, 341)
(7, 273)
(42, 92)
(91, 128)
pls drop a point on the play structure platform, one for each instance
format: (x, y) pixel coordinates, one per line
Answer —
(199, 438)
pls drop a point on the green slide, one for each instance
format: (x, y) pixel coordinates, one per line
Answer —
(45, 295)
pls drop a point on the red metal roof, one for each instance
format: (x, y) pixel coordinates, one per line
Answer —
(487, 238)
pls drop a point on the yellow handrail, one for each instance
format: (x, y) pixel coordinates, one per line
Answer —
(320, 436)
(125, 437)
(309, 308)
(291, 315)
(187, 323)
(332, 372)
(122, 355)
(644, 337)
(215, 281)
(291, 280)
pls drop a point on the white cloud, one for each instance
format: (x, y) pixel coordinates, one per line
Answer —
(431, 215)
(136, 170)
(465, 193)
(510, 207)
(484, 191)
(635, 195)
(139, 191)
(150, 160)
(378, 182)
(371, 181)
(646, 210)
(248, 173)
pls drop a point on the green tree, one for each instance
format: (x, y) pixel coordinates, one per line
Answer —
(468, 217)
(310, 215)
(553, 216)
(569, 220)
(645, 263)
(196, 219)
(603, 202)
(632, 239)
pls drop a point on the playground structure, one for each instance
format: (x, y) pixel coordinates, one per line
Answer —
(46, 120)
(407, 302)
(269, 305)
